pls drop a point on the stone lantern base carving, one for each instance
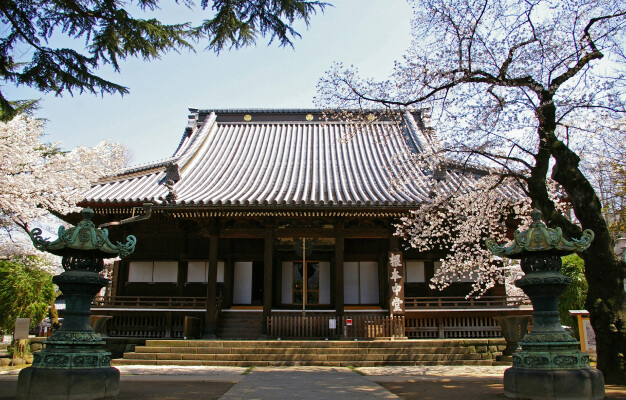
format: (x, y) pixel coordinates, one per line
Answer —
(550, 364)
(75, 365)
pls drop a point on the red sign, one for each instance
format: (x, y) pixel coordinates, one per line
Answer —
(349, 321)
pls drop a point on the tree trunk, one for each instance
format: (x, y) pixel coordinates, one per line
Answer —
(606, 300)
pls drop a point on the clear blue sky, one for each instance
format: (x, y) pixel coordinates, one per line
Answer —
(369, 34)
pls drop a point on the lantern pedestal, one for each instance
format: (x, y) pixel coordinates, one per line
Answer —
(74, 364)
(550, 364)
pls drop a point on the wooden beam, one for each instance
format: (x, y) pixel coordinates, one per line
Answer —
(267, 277)
(304, 232)
(364, 233)
(339, 239)
(242, 233)
(210, 323)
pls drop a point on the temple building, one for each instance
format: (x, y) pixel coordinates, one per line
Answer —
(280, 223)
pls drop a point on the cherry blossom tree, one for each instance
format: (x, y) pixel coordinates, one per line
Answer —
(522, 87)
(38, 178)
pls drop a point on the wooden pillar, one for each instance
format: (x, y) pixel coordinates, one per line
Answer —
(210, 322)
(182, 278)
(339, 245)
(267, 276)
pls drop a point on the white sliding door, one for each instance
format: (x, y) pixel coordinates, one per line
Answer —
(369, 282)
(242, 283)
(360, 282)
(351, 282)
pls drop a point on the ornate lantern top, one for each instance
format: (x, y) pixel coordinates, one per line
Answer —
(540, 239)
(84, 238)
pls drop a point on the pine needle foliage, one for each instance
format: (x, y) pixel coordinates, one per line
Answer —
(107, 32)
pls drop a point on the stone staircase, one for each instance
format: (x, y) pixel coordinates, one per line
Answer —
(315, 353)
(240, 325)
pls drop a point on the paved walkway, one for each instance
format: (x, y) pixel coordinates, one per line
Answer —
(306, 383)
(206, 383)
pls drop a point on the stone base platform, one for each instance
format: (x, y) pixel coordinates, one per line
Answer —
(554, 384)
(68, 384)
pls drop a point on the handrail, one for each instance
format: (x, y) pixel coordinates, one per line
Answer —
(149, 302)
(410, 302)
(462, 302)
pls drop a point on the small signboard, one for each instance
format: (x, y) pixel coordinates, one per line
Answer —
(396, 282)
(349, 321)
(585, 331)
(332, 323)
(589, 336)
(21, 328)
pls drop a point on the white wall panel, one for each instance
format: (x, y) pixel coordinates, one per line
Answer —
(242, 282)
(165, 271)
(414, 271)
(369, 282)
(220, 271)
(197, 271)
(351, 282)
(324, 274)
(140, 271)
(287, 278)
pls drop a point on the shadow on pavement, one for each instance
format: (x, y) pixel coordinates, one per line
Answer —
(173, 390)
(133, 390)
(483, 389)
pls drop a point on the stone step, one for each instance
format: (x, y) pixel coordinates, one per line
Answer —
(325, 343)
(320, 352)
(118, 362)
(300, 350)
(302, 357)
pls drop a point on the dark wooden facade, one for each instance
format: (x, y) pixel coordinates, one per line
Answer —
(235, 203)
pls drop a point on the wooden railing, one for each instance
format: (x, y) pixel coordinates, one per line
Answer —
(446, 327)
(362, 326)
(462, 302)
(149, 302)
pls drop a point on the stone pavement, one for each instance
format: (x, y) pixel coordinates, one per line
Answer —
(274, 383)
(423, 383)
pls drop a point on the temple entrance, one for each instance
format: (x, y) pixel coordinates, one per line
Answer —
(248, 283)
(311, 269)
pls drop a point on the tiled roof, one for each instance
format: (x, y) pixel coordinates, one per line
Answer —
(282, 161)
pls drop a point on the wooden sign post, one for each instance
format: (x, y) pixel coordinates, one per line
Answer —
(396, 283)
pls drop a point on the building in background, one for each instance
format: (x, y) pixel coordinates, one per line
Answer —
(256, 205)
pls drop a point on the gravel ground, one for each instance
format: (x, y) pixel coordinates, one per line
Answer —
(174, 370)
(369, 371)
(434, 371)
(164, 370)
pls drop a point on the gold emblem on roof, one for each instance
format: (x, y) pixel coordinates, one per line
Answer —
(247, 117)
(309, 117)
